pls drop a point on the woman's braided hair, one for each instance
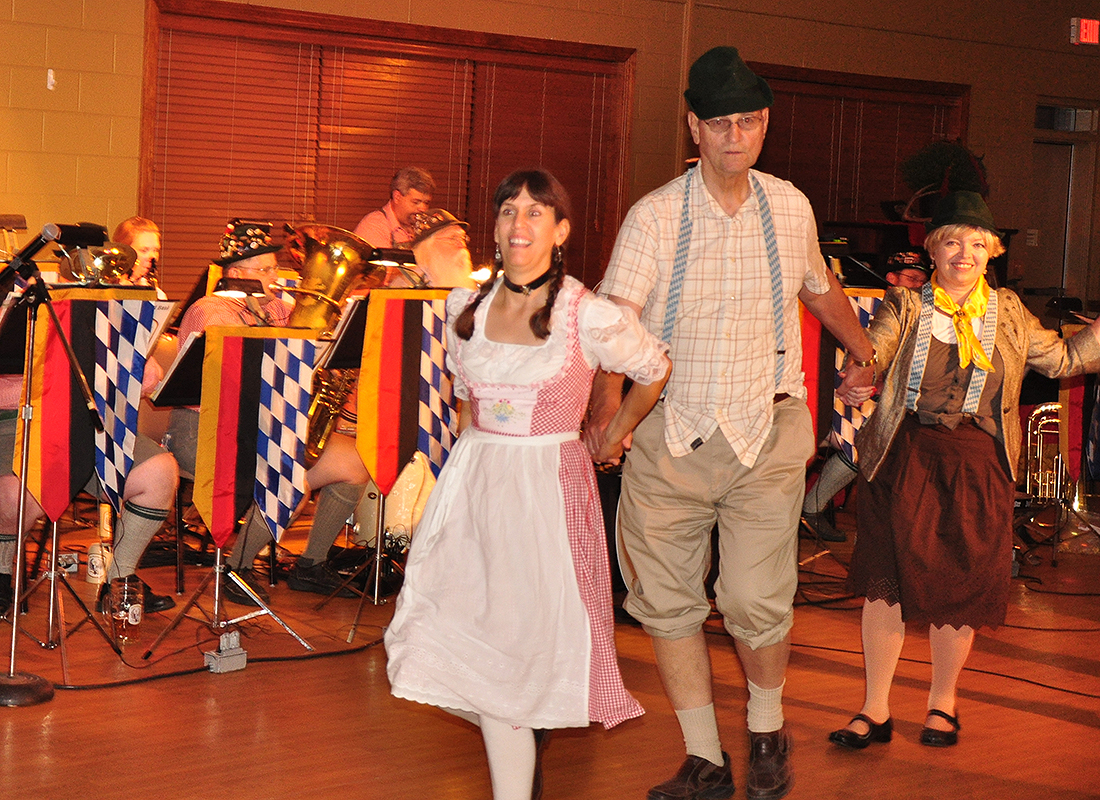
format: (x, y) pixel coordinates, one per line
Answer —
(543, 188)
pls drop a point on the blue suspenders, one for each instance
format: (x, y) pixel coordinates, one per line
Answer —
(924, 340)
(679, 269)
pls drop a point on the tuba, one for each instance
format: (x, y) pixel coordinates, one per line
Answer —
(333, 263)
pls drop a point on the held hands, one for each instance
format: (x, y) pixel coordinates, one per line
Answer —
(600, 414)
(857, 384)
(605, 451)
(612, 417)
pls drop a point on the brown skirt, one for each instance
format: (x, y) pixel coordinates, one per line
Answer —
(934, 528)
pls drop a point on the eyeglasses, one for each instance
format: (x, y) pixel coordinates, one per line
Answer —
(262, 270)
(457, 239)
(746, 122)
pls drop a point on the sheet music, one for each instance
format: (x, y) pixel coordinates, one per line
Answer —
(181, 355)
(161, 315)
(351, 306)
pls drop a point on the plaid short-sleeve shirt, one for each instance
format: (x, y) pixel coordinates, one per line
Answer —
(723, 343)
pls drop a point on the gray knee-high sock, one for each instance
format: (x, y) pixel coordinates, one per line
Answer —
(250, 541)
(7, 556)
(335, 503)
(136, 527)
(835, 475)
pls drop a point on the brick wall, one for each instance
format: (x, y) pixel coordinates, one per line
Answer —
(70, 153)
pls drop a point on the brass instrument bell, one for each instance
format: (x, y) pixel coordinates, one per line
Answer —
(98, 265)
(333, 263)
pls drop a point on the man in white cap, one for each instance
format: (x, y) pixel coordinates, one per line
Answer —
(715, 263)
(441, 247)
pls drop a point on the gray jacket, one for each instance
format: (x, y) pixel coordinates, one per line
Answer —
(1021, 340)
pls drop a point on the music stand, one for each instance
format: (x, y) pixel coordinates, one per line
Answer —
(404, 397)
(56, 632)
(346, 352)
(79, 441)
(20, 688)
(178, 389)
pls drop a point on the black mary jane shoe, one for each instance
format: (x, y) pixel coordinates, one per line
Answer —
(857, 741)
(933, 737)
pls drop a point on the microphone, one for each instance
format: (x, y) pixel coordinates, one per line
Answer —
(22, 263)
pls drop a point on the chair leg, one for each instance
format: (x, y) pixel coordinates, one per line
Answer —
(272, 562)
(179, 538)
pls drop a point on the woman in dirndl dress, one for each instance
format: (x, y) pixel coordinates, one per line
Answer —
(505, 614)
(938, 463)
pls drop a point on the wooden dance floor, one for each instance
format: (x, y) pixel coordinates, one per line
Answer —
(299, 725)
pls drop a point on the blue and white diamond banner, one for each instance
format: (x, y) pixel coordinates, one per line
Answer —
(435, 436)
(124, 331)
(286, 380)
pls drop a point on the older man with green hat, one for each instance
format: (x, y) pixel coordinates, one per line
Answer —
(714, 263)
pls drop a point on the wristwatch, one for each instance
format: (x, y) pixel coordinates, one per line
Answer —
(858, 363)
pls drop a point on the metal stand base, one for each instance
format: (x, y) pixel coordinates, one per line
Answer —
(56, 632)
(21, 689)
(1065, 512)
(376, 577)
(215, 620)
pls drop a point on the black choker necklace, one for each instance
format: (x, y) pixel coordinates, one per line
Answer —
(527, 288)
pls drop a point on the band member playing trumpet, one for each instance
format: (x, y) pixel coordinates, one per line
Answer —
(393, 224)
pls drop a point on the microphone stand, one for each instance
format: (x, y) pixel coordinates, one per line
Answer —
(21, 688)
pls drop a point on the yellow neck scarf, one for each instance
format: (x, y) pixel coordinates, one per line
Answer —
(970, 347)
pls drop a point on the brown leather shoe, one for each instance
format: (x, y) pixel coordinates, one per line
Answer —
(770, 775)
(697, 779)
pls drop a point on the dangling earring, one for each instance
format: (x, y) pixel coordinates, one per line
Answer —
(557, 256)
(497, 257)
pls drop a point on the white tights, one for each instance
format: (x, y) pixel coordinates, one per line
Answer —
(883, 635)
(511, 754)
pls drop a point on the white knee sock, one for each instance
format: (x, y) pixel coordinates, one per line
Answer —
(511, 753)
(765, 708)
(700, 729)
